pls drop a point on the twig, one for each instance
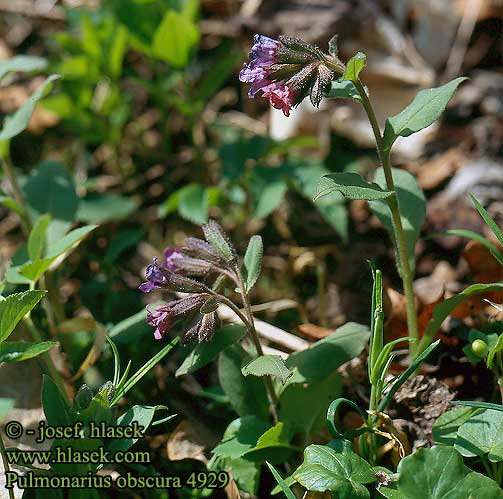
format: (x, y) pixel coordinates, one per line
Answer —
(463, 35)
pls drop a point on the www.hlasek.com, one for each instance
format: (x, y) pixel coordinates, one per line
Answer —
(70, 454)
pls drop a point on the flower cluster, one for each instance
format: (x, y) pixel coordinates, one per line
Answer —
(286, 70)
(178, 272)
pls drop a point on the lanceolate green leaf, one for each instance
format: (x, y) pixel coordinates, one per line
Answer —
(351, 186)
(424, 110)
(487, 219)
(325, 356)
(34, 269)
(343, 89)
(14, 308)
(16, 351)
(253, 261)
(268, 365)
(17, 122)
(442, 310)
(24, 63)
(282, 484)
(354, 66)
(36, 240)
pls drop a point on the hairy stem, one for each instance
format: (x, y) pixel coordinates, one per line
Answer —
(402, 252)
(271, 392)
(5, 464)
(49, 364)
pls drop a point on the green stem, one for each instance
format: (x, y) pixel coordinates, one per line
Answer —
(5, 464)
(16, 192)
(49, 364)
(271, 392)
(402, 252)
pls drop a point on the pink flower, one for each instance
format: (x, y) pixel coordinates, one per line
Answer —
(280, 96)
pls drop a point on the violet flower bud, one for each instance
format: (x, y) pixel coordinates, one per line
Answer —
(200, 249)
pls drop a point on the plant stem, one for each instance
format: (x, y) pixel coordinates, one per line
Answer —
(402, 252)
(271, 392)
(16, 192)
(5, 464)
(51, 368)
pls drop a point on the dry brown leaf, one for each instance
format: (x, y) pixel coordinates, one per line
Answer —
(185, 443)
(313, 332)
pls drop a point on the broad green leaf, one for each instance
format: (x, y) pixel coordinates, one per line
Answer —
(193, 203)
(269, 198)
(482, 434)
(339, 470)
(246, 474)
(354, 66)
(412, 207)
(33, 270)
(439, 473)
(139, 414)
(304, 406)
(281, 483)
(343, 89)
(487, 219)
(206, 352)
(247, 395)
(351, 186)
(442, 310)
(50, 189)
(268, 365)
(273, 445)
(101, 208)
(174, 39)
(424, 110)
(240, 436)
(16, 351)
(36, 240)
(56, 410)
(323, 357)
(446, 426)
(253, 261)
(17, 122)
(24, 63)
(333, 209)
(14, 308)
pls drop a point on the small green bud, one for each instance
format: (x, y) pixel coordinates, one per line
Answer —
(480, 348)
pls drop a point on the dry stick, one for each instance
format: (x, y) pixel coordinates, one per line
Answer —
(465, 30)
(403, 256)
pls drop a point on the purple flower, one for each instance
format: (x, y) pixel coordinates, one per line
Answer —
(172, 255)
(162, 319)
(154, 278)
(287, 70)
